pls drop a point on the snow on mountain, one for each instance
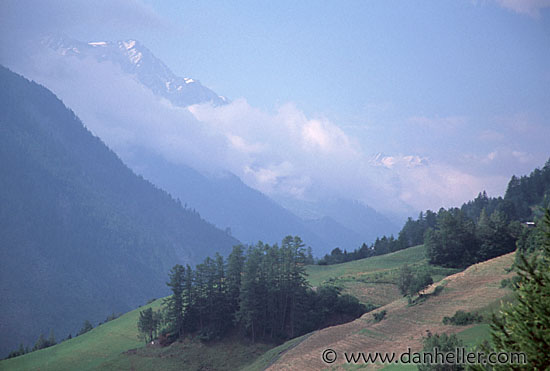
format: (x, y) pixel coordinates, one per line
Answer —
(136, 59)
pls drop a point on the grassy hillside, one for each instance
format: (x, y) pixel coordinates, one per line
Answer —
(103, 347)
(477, 288)
(374, 280)
(87, 351)
(114, 345)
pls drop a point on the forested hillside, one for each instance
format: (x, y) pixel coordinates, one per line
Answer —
(81, 236)
(220, 200)
(480, 229)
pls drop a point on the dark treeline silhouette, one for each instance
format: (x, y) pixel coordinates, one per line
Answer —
(479, 230)
(262, 292)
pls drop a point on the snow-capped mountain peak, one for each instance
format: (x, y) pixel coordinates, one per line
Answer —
(137, 60)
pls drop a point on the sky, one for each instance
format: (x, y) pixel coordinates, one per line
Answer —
(421, 103)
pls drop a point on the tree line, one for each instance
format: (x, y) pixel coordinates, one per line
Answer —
(261, 292)
(479, 230)
(522, 325)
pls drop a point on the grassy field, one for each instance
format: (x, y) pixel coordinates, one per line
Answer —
(87, 351)
(114, 345)
(374, 280)
(232, 353)
(477, 289)
(319, 274)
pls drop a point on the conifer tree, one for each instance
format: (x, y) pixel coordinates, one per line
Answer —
(175, 301)
(524, 326)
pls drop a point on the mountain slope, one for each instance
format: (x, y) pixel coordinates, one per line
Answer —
(81, 235)
(135, 59)
(328, 218)
(226, 201)
(220, 199)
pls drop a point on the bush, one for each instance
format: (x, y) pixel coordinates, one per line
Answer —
(410, 282)
(509, 282)
(87, 326)
(438, 290)
(379, 316)
(462, 318)
(17, 353)
(444, 344)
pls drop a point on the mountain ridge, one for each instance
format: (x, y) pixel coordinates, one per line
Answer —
(136, 59)
(81, 235)
(253, 222)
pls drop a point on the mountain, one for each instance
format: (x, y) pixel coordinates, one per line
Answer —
(349, 221)
(225, 200)
(81, 236)
(135, 59)
(335, 233)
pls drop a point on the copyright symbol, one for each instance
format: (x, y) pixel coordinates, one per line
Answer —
(329, 356)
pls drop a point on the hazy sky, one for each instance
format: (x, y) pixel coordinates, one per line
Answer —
(454, 94)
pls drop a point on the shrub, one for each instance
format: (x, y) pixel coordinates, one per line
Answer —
(510, 282)
(379, 316)
(444, 344)
(410, 282)
(462, 318)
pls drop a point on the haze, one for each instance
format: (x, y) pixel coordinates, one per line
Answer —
(406, 106)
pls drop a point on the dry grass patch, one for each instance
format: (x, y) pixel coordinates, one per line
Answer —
(476, 288)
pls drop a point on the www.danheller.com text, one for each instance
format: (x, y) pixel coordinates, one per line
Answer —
(460, 356)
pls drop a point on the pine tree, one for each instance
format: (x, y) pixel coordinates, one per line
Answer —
(175, 301)
(250, 308)
(146, 324)
(524, 326)
(405, 279)
(235, 267)
(87, 326)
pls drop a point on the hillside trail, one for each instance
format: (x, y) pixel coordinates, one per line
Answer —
(404, 326)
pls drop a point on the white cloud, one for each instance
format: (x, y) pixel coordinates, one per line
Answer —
(24, 19)
(285, 153)
(523, 157)
(291, 153)
(408, 161)
(531, 8)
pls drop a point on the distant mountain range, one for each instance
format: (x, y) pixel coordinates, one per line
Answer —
(135, 59)
(224, 199)
(81, 236)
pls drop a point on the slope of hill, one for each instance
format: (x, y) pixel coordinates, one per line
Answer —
(476, 288)
(107, 346)
(227, 202)
(374, 280)
(81, 236)
(326, 218)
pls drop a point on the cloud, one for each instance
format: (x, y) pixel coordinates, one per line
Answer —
(430, 184)
(531, 8)
(287, 152)
(283, 153)
(24, 20)
(391, 162)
